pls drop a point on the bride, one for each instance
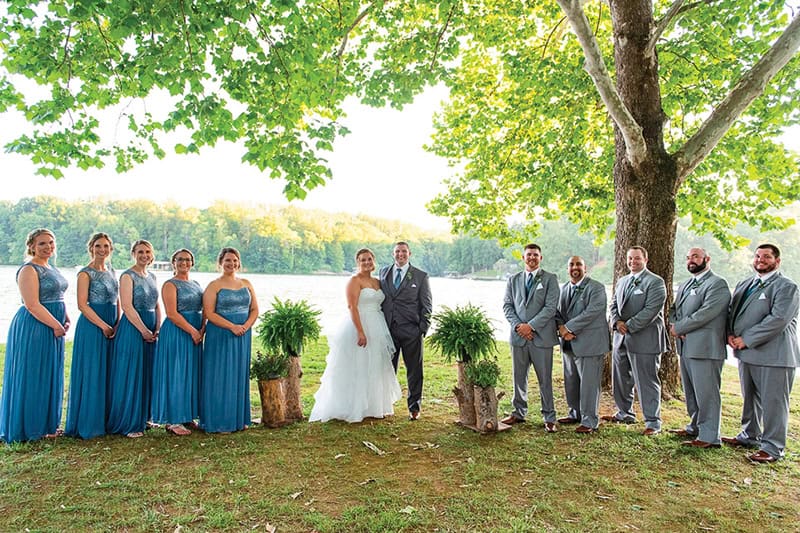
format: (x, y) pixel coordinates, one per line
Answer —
(359, 380)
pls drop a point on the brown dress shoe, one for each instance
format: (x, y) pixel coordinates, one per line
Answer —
(762, 457)
(550, 427)
(681, 433)
(732, 441)
(699, 444)
(511, 420)
(584, 429)
(615, 420)
(650, 432)
(568, 420)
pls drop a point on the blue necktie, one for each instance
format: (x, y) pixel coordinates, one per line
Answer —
(397, 278)
(750, 290)
(528, 284)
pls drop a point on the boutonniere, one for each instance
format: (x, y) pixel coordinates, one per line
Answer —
(578, 290)
(409, 276)
(637, 281)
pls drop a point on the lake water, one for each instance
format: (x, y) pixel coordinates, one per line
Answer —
(326, 293)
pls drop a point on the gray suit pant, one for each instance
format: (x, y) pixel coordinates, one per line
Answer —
(701, 380)
(522, 357)
(582, 380)
(765, 390)
(639, 370)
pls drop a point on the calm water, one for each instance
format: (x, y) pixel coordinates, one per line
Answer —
(326, 293)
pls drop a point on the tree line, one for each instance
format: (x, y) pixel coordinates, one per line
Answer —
(289, 240)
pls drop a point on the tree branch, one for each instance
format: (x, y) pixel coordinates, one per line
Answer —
(664, 22)
(441, 34)
(635, 147)
(355, 23)
(186, 31)
(749, 87)
(550, 36)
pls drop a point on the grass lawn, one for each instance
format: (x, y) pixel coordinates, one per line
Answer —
(434, 476)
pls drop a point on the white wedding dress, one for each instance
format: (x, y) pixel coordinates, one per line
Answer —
(358, 382)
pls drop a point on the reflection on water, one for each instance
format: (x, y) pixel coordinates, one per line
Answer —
(324, 292)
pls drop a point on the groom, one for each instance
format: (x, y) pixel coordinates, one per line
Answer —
(407, 308)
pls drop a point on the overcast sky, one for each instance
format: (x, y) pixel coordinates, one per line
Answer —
(378, 169)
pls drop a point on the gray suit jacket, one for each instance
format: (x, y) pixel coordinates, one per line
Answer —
(585, 316)
(767, 322)
(408, 309)
(700, 313)
(641, 307)
(538, 309)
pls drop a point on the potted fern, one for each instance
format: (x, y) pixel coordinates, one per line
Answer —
(269, 370)
(286, 329)
(466, 335)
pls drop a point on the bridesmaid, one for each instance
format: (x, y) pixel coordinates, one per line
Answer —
(33, 378)
(230, 306)
(98, 301)
(131, 367)
(177, 361)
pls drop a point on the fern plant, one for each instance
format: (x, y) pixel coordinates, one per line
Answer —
(288, 327)
(464, 334)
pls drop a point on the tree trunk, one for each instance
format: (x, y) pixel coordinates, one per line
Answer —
(466, 398)
(294, 407)
(485, 409)
(272, 402)
(645, 197)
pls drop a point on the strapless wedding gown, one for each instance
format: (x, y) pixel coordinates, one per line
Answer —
(359, 382)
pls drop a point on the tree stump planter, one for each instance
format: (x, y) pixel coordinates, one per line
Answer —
(466, 398)
(273, 410)
(294, 407)
(486, 410)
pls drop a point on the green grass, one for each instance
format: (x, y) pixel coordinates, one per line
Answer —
(435, 476)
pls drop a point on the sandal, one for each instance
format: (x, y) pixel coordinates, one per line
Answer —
(178, 429)
(135, 434)
(59, 432)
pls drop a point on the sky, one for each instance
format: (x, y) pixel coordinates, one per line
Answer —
(379, 169)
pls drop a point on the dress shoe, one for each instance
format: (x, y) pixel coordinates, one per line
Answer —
(584, 429)
(762, 457)
(511, 420)
(568, 420)
(615, 420)
(681, 433)
(650, 432)
(550, 427)
(699, 444)
(413, 415)
(732, 441)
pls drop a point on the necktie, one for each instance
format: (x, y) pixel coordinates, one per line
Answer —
(571, 294)
(397, 278)
(750, 290)
(528, 283)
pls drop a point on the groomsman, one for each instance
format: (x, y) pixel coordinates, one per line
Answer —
(762, 330)
(698, 319)
(530, 307)
(637, 317)
(407, 307)
(583, 329)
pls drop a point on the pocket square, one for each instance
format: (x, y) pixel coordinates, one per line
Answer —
(762, 296)
(692, 292)
(539, 286)
(413, 285)
(638, 291)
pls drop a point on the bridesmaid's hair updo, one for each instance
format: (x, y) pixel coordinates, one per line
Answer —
(181, 251)
(145, 243)
(32, 236)
(364, 251)
(96, 237)
(228, 250)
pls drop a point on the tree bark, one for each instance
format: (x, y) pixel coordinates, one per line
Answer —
(485, 409)
(273, 412)
(645, 196)
(466, 398)
(294, 407)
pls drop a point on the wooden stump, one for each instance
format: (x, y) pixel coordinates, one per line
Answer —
(486, 409)
(294, 407)
(273, 413)
(466, 398)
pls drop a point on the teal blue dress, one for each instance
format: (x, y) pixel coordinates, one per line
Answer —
(33, 377)
(176, 365)
(225, 370)
(86, 407)
(130, 372)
